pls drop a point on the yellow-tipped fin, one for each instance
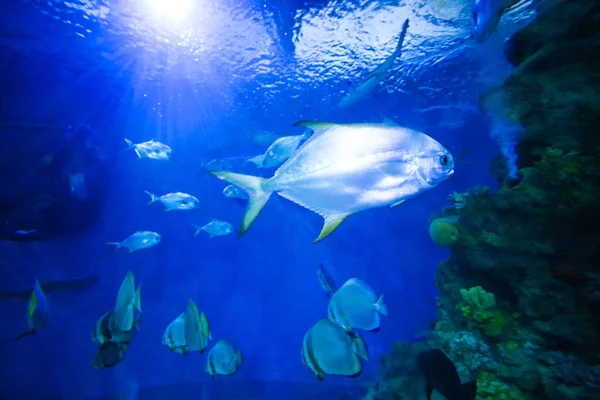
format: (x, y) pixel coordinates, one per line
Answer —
(257, 196)
(330, 225)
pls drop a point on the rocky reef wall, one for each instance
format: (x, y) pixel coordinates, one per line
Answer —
(519, 304)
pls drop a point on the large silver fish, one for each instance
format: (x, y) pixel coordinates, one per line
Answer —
(378, 75)
(344, 169)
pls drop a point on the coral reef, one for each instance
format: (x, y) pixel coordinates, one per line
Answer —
(519, 303)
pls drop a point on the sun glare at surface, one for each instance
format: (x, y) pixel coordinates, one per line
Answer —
(171, 9)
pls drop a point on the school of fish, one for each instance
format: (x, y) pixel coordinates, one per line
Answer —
(334, 170)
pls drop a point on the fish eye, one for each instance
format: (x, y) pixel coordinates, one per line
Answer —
(444, 160)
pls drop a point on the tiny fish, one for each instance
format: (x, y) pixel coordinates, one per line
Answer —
(234, 192)
(37, 311)
(223, 359)
(175, 201)
(152, 150)
(215, 228)
(325, 280)
(139, 240)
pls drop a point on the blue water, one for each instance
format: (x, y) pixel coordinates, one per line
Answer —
(204, 82)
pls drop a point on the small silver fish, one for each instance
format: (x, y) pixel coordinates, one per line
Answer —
(175, 201)
(152, 150)
(281, 149)
(214, 228)
(327, 349)
(139, 240)
(354, 306)
(344, 169)
(234, 192)
(223, 359)
(325, 280)
(378, 75)
(128, 302)
(37, 311)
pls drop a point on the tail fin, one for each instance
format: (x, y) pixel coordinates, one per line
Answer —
(469, 390)
(130, 144)
(381, 307)
(253, 186)
(24, 334)
(118, 244)
(238, 358)
(198, 229)
(153, 198)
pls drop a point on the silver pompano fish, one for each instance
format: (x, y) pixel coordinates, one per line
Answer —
(175, 201)
(214, 228)
(152, 149)
(139, 240)
(344, 169)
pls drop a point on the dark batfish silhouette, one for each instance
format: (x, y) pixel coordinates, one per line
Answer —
(72, 285)
(440, 374)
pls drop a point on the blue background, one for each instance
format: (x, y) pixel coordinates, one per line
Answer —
(258, 66)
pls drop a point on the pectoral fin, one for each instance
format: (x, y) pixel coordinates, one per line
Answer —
(330, 225)
(397, 203)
